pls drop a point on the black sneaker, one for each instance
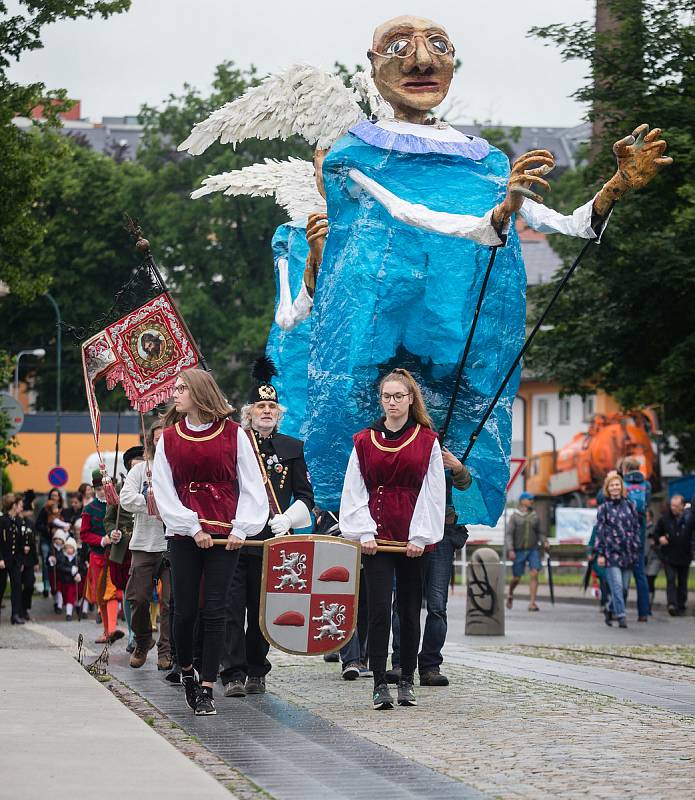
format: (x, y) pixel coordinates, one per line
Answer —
(393, 675)
(255, 684)
(406, 694)
(174, 677)
(235, 689)
(192, 689)
(433, 677)
(332, 658)
(382, 698)
(68, 617)
(204, 704)
(351, 671)
(622, 622)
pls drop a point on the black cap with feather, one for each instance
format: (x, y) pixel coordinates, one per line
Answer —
(262, 373)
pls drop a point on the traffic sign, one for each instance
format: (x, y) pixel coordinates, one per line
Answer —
(14, 412)
(58, 477)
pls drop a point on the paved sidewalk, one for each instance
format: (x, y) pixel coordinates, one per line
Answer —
(63, 735)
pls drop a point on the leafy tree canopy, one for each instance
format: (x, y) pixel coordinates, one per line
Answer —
(626, 324)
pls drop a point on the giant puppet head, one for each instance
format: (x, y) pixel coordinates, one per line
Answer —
(412, 65)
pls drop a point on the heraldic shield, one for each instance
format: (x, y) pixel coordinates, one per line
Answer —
(309, 593)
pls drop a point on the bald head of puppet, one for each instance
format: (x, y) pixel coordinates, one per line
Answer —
(412, 65)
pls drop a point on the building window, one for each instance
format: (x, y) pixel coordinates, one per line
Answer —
(542, 411)
(565, 409)
(588, 408)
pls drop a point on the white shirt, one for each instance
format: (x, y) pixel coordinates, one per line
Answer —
(427, 524)
(252, 508)
(148, 532)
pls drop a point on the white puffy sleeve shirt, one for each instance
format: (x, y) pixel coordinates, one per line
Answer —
(427, 524)
(252, 508)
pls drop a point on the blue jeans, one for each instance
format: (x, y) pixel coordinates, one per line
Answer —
(437, 577)
(618, 582)
(643, 609)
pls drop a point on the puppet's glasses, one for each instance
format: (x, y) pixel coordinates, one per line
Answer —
(404, 46)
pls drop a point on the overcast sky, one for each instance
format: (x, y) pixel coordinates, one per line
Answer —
(115, 66)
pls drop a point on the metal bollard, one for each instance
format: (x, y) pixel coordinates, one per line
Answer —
(484, 594)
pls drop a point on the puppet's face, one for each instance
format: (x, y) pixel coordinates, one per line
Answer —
(412, 64)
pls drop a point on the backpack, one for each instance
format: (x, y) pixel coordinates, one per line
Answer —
(637, 493)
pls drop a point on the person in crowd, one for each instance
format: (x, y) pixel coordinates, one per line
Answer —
(395, 491)
(100, 588)
(12, 541)
(118, 524)
(69, 576)
(72, 514)
(57, 544)
(618, 544)
(652, 556)
(674, 535)
(148, 550)
(30, 554)
(207, 486)
(87, 492)
(290, 496)
(525, 541)
(639, 493)
(438, 566)
(45, 520)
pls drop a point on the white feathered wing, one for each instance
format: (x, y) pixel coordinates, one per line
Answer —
(292, 182)
(301, 100)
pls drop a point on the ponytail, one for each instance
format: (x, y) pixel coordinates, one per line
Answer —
(418, 409)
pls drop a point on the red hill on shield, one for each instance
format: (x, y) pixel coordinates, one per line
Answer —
(309, 593)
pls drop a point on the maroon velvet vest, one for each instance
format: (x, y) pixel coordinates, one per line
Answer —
(393, 472)
(203, 466)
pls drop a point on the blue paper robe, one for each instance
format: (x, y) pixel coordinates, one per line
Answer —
(390, 294)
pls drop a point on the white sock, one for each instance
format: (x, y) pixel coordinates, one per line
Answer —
(68, 609)
(59, 599)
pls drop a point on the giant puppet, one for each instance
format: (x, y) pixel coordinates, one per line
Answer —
(414, 207)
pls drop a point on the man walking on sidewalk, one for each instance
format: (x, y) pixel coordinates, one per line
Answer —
(524, 543)
(148, 550)
(674, 535)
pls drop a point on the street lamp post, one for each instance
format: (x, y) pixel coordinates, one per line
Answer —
(59, 355)
(39, 352)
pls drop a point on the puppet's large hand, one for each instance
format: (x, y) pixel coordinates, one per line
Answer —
(526, 170)
(639, 157)
(316, 232)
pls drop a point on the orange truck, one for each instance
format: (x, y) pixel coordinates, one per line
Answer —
(575, 472)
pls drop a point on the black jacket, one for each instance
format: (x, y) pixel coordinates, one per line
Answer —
(64, 567)
(11, 539)
(30, 559)
(678, 531)
(284, 464)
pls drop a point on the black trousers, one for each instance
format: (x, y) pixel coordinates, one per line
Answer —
(215, 566)
(677, 585)
(27, 586)
(379, 571)
(245, 651)
(13, 571)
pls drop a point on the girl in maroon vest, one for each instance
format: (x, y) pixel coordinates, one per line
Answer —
(395, 493)
(207, 486)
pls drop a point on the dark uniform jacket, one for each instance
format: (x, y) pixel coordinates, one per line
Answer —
(11, 539)
(678, 531)
(283, 463)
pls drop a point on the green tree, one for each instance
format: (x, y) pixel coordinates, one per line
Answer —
(81, 207)
(24, 159)
(215, 252)
(626, 324)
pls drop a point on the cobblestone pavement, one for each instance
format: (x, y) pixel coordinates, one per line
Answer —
(508, 737)
(646, 660)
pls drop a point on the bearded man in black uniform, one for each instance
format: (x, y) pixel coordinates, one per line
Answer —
(291, 498)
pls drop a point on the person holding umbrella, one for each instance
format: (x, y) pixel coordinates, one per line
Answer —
(524, 543)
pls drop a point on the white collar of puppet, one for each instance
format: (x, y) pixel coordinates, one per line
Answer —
(408, 137)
